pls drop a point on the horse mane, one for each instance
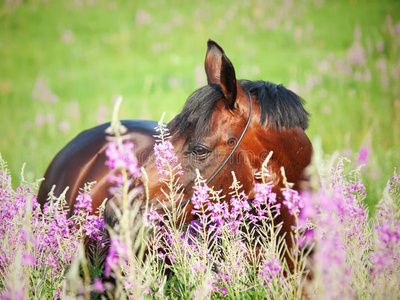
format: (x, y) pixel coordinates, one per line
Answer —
(283, 107)
(280, 107)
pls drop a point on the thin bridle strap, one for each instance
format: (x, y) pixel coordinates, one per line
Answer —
(183, 204)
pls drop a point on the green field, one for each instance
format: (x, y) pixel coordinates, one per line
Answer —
(62, 63)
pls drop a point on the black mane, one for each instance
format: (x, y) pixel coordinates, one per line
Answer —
(280, 106)
(283, 107)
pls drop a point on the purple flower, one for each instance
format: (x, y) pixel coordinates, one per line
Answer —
(264, 195)
(13, 293)
(154, 216)
(83, 203)
(307, 238)
(28, 259)
(270, 268)
(219, 215)
(394, 182)
(218, 210)
(264, 201)
(117, 255)
(200, 196)
(48, 238)
(357, 187)
(292, 200)
(123, 156)
(224, 291)
(165, 157)
(388, 236)
(94, 227)
(363, 155)
(98, 285)
(309, 210)
(239, 206)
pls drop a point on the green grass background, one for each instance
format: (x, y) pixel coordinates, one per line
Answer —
(84, 52)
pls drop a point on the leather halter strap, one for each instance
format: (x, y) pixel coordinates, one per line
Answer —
(184, 203)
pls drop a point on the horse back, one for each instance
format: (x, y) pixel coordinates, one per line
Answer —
(83, 160)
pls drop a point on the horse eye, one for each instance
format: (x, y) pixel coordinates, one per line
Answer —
(200, 151)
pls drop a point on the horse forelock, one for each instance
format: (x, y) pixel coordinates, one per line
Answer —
(280, 107)
(194, 120)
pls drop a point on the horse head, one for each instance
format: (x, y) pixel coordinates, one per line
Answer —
(230, 126)
(239, 119)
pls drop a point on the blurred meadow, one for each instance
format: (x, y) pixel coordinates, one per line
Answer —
(63, 62)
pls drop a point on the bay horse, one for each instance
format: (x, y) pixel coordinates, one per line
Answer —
(227, 125)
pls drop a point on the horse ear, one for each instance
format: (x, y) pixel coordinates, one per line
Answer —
(219, 69)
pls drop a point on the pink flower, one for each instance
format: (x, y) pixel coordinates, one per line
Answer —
(123, 156)
(154, 216)
(143, 17)
(83, 203)
(239, 206)
(98, 285)
(28, 259)
(363, 155)
(116, 255)
(165, 157)
(356, 55)
(200, 196)
(293, 201)
(271, 268)
(64, 126)
(224, 291)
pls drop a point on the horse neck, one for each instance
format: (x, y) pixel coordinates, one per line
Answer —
(292, 151)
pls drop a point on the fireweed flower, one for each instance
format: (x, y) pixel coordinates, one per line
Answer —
(46, 239)
(98, 285)
(239, 205)
(219, 215)
(340, 232)
(394, 181)
(310, 208)
(264, 195)
(363, 156)
(56, 227)
(200, 196)
(92, 225)
(331, 263)
(330, 235)
(118, 180)
(117, 255)
(386, 257)
(166, 158)
(83, 204)
(122, 156)
(14, 293)
(223, 279)
(357, 187)
(292, 200)
(153, 216)
(28, 259)
(387, 251)
(224, 291)
(264, 201)
(270, 269)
